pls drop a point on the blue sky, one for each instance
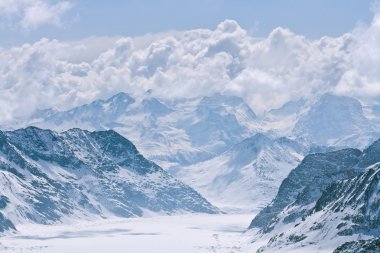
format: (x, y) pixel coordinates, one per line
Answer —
(85, 18)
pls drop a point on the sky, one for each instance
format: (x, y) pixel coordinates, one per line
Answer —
(77, 19)
(63, 53)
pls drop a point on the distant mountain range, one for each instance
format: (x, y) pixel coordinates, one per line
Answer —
(336, 121)
(222, 139)
(171, 133)
(181, 132)
(48, 177)
(300, 164)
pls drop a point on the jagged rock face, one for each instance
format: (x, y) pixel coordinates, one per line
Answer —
(358, 199)
(361, 246)
(370, 155)
(346, 210)
(345, 206)
(305, 184)
(47, 177)
(5, 224)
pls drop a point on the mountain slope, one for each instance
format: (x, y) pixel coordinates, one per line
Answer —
(328, 196)
(357, 200)
(49, 177)
(336, 121)
(361, 246)
(347, 209)
(304, 185)
(247, 176)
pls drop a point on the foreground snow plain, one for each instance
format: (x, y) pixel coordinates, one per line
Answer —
(190, 233)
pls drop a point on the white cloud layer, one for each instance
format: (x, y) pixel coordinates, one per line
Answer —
(266, 72)
(30, 14)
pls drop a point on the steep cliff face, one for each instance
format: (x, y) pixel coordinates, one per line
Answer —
(46, 177)
(304, 185)
(330, 197)
(358, 202)
(360, 246)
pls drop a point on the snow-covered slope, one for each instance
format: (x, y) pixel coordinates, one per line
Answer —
(247, 176)
(304, 185)
(176, 132)
(347, 210)
(197, 139)
(336, 121)
(5, 224)
(329, 120)
(360, 246)
(281, 121)
(327, 200)
(94, 115)
(181, 132)
(47, 177)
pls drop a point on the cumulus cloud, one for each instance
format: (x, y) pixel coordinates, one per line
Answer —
(362, 76)
(266, 72)
(30, 14)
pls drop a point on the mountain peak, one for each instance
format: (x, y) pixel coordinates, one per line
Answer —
(78, 173)
(121, 97)
(339, 100)
(334, 120)
(258, 140)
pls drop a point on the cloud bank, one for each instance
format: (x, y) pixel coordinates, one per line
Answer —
(266, 72)
(30, 14)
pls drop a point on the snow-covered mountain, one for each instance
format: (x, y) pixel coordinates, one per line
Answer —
(47, 177)
(210, 142)
(176, 132)
(247, 176)
(281, 121)
(181, 132)
(328, 120)
(329, 199)
(360, 246)
(336, 121)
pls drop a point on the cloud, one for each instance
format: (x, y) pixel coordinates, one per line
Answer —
(362, 76)
(266, 72)
(31, 14)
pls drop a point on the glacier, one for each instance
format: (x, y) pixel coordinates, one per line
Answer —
(197, 139)
(281, 164)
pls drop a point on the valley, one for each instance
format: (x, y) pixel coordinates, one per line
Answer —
(189, 126)
(187, 233)
(229, 181)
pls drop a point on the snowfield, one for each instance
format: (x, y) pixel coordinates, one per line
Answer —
(194, 233)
